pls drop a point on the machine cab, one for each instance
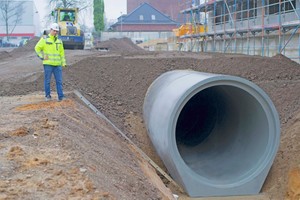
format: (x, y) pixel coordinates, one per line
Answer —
(66, 15)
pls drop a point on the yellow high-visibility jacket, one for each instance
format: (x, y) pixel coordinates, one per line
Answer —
(50, 49)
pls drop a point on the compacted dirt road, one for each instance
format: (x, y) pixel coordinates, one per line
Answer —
(52, 150)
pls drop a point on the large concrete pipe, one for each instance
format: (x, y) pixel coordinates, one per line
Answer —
(216, 134)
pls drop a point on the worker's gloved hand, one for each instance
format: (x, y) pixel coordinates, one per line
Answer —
(64, 66)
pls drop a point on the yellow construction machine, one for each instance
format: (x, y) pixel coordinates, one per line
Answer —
(189, 29)
(70, 32)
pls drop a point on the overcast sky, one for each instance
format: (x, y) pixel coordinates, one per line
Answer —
(113, 8)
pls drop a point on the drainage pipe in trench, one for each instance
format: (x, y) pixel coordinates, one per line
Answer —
(216, 134)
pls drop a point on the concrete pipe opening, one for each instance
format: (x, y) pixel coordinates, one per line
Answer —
(217, 135)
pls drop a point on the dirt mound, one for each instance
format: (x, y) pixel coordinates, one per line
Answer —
(46, 157)
(284, 59)
(4, 54)
(126, 79)
(28, 47)
(117, 86)
(119, 45)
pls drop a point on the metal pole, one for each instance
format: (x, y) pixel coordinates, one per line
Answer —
(235, 10)
(121, 24)
(263, 28)
(224, 28)
(299, 47)
(294, 32)
(248, 31)
(279, 29)
(215, 36)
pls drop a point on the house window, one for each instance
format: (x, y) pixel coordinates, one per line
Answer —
(285, 6)
(153, 17)
(273, 6)
(141, 17)
(242, 9)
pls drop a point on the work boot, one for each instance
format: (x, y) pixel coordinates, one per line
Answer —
(61, 99)
(48, 98)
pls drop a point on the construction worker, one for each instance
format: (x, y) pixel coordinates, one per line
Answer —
(66, 18)
(50, 49)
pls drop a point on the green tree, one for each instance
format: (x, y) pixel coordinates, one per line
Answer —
(99, 15)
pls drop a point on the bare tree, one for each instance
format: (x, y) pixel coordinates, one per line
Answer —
(82, 5)
(85, 8)
(11, 12)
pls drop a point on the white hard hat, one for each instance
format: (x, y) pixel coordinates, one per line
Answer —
(54, 26)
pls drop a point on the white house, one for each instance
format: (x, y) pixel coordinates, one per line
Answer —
(28, 25)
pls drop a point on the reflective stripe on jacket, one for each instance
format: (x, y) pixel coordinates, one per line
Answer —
(51, 51)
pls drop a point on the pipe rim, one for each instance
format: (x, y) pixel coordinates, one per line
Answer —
(268, 156)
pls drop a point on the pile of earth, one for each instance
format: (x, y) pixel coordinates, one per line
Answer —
(4, 54)
(117, 86)
(28, 48)
(123, 45)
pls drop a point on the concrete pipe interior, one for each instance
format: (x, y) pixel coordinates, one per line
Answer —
(222, 134)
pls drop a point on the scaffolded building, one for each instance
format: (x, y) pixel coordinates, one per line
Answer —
(253, 27)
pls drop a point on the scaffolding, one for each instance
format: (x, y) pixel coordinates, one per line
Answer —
(252, 27)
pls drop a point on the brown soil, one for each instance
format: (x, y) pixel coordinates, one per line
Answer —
(115, 82)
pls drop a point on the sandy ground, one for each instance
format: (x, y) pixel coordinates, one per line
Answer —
(77, 145)
(45, 156)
